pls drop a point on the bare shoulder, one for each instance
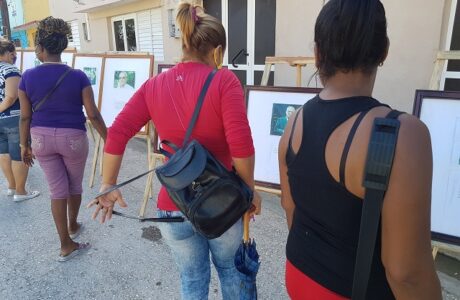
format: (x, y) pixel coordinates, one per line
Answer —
(414, 135)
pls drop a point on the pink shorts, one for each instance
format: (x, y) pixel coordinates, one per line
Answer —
(62, 154)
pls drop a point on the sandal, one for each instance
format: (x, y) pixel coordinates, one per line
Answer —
(76, 233)
(81, 248)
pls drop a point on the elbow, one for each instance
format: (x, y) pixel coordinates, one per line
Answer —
(415, 277)
(287, 204)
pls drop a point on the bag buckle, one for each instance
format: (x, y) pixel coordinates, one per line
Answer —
(195, 186)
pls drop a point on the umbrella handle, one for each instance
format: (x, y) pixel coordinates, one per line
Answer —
(246, 218)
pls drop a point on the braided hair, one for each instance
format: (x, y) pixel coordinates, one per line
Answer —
(52, 35)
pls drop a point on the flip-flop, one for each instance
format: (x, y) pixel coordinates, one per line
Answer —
(76, 233)
(82, 247)
(29, 195)
(10, 192)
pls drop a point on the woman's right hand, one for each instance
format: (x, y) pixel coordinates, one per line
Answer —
(106, 203)
(257, 203)
(27, 156)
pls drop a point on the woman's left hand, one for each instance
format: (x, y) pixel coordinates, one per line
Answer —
(106, 203)
(27, 155)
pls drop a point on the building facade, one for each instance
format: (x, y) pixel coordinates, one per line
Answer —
(16, 16)
(260, 28)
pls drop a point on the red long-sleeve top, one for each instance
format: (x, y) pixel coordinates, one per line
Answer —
(169, 100)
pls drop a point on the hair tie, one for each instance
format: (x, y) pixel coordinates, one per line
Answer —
(194, 16)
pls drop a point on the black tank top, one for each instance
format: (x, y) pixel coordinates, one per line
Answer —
(323, 239)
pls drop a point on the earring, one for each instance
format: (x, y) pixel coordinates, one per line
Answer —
(381, 64)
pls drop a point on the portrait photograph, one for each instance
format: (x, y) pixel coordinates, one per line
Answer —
(124, 80)
(281, 113)
(91, 73)
(268, 110)
(121, 83)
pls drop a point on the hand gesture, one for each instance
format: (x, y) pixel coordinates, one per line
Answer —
(106, 203)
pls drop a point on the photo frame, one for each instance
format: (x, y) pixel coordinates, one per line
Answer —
(30, 60)
(117, 88)
(92, 65)
(268, 110)
(164, 67)
(440, 111)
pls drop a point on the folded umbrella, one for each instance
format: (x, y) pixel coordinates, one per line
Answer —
(247, 263)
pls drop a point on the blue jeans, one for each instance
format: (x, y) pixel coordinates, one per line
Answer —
(191, 254)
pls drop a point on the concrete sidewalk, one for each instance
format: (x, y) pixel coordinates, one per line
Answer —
(128, 259)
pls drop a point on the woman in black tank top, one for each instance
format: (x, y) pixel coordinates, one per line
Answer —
(322, 157)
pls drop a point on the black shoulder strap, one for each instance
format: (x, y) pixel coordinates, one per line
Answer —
(58, 82)
(379, 161)
(346, 148)
(199, 103)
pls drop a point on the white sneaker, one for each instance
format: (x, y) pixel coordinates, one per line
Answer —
(28, 196)
(10, 192)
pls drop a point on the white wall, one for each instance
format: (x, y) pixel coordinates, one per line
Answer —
(415, 32)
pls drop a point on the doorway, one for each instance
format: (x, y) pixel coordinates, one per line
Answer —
(250, 26)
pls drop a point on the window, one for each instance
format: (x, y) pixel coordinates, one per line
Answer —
(125, 33)
(74, 36)
(173, 28)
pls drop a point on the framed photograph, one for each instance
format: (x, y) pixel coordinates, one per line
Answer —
(92, 66)
(269, 109)
(164, 67)
(30, 60)
(440, 111)
(123, 75)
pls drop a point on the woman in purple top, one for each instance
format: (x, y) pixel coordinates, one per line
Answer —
(57, 128)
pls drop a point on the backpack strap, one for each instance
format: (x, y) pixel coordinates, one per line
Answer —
(199, 103)
(379, 162)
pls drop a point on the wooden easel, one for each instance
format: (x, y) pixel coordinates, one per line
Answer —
(435, 84)
(441, 59)
(298, 62)
(153, 158)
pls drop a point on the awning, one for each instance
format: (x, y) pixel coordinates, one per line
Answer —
(28, 25)
(101, 5)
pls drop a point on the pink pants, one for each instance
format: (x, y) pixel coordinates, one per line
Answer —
(62, 154)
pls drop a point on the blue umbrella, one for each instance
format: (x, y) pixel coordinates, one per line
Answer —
(247, 263)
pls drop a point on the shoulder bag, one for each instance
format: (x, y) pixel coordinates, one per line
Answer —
(211, 197)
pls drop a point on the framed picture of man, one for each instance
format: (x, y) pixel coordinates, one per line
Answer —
(269, 109)
(123, 75)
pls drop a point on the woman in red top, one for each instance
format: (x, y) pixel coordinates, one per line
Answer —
(169, 100)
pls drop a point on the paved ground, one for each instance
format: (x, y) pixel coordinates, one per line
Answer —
(128, 260)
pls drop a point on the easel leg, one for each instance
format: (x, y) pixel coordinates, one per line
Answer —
(435, 252)
(266, 74)
(148, 187)
(94, 164)
(101, 161)
(299, 75)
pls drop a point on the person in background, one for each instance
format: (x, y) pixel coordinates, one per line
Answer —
(13, 168)
(169, 100)
(321, 181)
(57, 129)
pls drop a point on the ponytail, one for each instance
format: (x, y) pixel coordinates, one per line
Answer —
(200, 32)
(350, 35)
